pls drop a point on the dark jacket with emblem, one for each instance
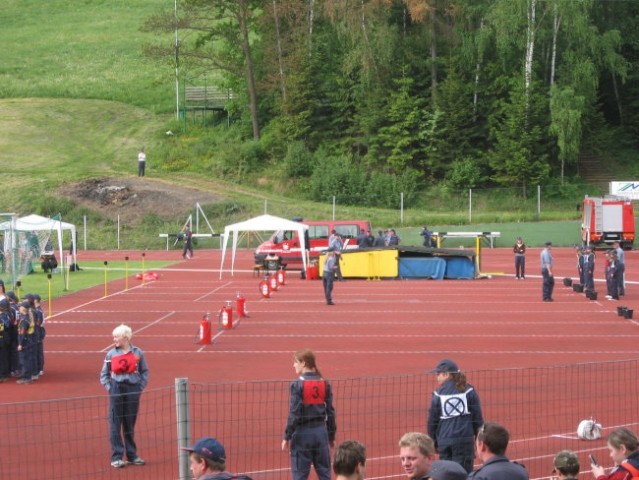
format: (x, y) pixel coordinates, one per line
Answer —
(450, 419)
(313, 413)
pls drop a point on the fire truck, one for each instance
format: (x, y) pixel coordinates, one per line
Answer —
(606, 220)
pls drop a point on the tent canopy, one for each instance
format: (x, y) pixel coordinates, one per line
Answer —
(263, 223)
(35, 223)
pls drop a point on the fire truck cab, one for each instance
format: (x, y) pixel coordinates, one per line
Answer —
(286, 244)
(607, 220)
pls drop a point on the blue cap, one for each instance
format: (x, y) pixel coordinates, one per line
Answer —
(447, 470)
(209, 447)
(445, 366)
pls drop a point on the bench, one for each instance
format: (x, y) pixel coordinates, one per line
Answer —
(206, 98)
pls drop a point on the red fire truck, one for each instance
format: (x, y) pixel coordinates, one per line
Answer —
(607, 220)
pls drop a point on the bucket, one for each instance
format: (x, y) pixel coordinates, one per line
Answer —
(621, 311)
(628, 313)
(591, 294)
(577, 287)
(567, 282)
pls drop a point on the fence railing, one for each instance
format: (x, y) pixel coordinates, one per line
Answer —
(541, 407)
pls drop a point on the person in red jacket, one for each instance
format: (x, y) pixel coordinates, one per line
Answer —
(622, 444)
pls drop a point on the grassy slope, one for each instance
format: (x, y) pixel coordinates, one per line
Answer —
(78, 99)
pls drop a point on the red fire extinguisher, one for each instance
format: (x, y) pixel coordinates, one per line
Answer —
(272, 282)
(205, 329)
(281, 276)
(226, 315)
(264, 287)
(241, 306)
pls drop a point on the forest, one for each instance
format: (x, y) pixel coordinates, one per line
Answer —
(363, 99)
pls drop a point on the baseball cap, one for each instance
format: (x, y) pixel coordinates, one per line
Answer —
(447, 470)
(566, 459)
(25, 304)
(210, 448)
(445, 366)
(11, 294)
(4, 304)
(548, 244)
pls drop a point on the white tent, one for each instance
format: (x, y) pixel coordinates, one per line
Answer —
(35, 223)
(263, 223)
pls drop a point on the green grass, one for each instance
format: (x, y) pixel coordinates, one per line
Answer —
(91, 274)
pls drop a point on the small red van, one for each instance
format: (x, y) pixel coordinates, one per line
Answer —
(286, 244)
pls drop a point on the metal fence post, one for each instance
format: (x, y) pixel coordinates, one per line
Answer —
(183, 425)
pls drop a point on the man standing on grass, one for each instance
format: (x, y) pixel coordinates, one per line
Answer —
(547, 264)
(141, 162)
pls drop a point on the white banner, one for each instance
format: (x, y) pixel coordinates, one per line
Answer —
(625, 189)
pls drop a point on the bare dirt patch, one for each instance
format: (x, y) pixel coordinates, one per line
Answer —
(132, 198)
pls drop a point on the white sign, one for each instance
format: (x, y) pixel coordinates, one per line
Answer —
(625, 189)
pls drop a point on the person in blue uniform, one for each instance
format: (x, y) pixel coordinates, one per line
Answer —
(40, 333)
(187, 251)
(124, 375)
(26, 343)
(455, 415)
(589, 268)
(310, 427)
(547, 265)
(5, 341)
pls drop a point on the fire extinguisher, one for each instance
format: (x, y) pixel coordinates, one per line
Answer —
(272, 282)
(205, 329)
(264, 287)
(281, 276)
(241, 306)
(226, 315)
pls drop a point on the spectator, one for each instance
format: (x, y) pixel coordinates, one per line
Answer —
(208, 461)
(349, 461)
(310, 428)
(520, 259)
(416, 452)
(622, 444)
(581, 262)
(370, 238)
(447, 470)
(124, 375)
(362, 239)
(547, 264)
(141, 162)
(492, 442)
(380, 240)
(428, 237)
(566, 465)
(455, 415)
(392, 239)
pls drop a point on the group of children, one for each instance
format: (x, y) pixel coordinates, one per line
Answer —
(21, 337)
(614, 270)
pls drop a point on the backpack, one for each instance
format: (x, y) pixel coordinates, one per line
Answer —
(589, 430)
(630, 468)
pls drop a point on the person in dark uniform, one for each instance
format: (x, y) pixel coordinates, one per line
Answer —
(311, 426)
(5, 341)
(14, 313)
(520, 259)
(428, 237)
(455, 415)
(187, 251)
(328, 276)
(26, 343)
(380, 240)
(613, 275)
(589, 268)
(40, 334)
(124, 375)
(581, 260)
(547, 264)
